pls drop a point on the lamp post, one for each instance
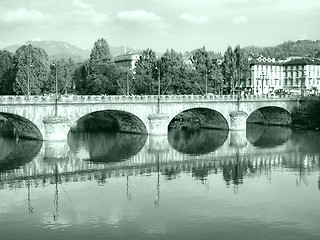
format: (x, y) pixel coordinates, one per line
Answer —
(302, 83)
(206, 82)
(262, 77)
(159, 89)
(28, 81)
(127, 82)
(56, 90)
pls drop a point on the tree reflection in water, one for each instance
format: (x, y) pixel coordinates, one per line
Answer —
(263, 136)
(106, 146)
(15, 152)
(197, 141)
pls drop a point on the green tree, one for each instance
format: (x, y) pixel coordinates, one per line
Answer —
(6, 72)
(229, 70)
(32, 68)
(80, 76)
(174, 74)
(145, 79)
(242, 73)
(63, 71)
(125, 81)
(102, 73)
(207, 71)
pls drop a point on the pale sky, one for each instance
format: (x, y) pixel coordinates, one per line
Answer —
(182, 25)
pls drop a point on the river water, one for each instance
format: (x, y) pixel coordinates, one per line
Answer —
(192, 184)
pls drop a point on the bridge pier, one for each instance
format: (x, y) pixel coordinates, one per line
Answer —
(238, 120)
(238, 139)
(158, 124)
(55, 150)
(56, 128)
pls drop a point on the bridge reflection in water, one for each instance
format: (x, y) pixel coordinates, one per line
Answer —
(97, 157)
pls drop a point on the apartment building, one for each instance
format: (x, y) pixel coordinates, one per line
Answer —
(127, 60)
(296, 75)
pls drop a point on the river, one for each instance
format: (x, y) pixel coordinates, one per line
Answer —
(192, 184)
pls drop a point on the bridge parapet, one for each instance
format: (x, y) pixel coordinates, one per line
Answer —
(76, 99)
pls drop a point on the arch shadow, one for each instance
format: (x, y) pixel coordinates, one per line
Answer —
(199, 118)
(111, 120)
(197, 141)
(263, 136)
(105, 147)
(20, 153)
(25, 128)
(270, 116)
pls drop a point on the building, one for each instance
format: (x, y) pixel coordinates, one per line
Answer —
(302, 74)
(266, 75)
(296, 75)
(127, 60)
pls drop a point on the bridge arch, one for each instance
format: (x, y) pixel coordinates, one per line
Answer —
(25, 128)
(118, 120)
(270, 115)
(199, 117)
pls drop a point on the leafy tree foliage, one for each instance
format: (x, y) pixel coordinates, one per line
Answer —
(63, 72)
(100, 74)
(145, 79)
(207, 71)
(235, 69)
(300, 48)
(6, 72)
(125, 81)
(229, 70)
(174, 74)
(32, 67)
(80, 77)
(242, 73)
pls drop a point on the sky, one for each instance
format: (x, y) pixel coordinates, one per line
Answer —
(182, 25)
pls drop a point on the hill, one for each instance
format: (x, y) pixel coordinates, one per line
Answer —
(63, 50)
(300, 48)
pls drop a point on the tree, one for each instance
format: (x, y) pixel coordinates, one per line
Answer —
(101, 74)
(32, 67)
(174, 74)
(6, 72)
(62, 70)
(145, 79)
(207, 71)
(80, 76)
(229, 70)
(242, 73)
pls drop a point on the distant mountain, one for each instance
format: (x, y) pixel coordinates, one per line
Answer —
(63, 50)
(300, 48)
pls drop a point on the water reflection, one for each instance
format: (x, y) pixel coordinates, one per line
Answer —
(267, 136)
(105, 147)
(15, 152)
(197, 141)
(124, 177)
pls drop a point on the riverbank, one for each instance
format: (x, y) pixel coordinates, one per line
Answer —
(307, 115)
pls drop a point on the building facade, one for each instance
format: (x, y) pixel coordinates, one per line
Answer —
(296, 75)
(127, 60)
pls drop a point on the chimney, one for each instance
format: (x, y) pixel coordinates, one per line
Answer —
(125, 49)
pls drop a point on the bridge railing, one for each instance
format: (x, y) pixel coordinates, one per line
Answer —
(38, 99)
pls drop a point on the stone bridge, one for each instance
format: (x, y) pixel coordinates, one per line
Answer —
(35, 117)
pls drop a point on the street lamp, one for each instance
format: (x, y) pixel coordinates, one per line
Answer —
(262, 77)
(206, 82)
(158, 105)
(56, 90)
(303, 82)
(28, 78)
(127, 82)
